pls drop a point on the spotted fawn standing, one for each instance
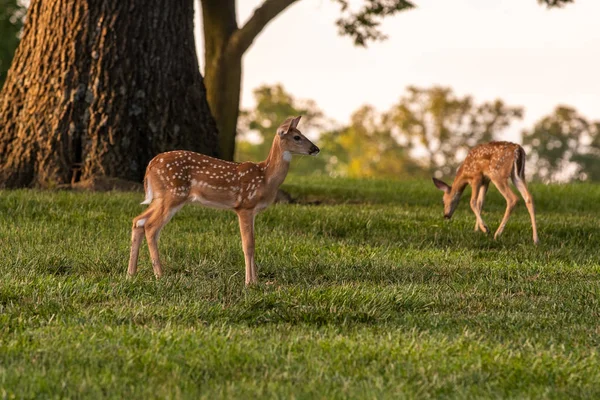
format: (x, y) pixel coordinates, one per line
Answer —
(176, 178)
(495, 162)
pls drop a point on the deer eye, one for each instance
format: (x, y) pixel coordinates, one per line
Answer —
(297, 138)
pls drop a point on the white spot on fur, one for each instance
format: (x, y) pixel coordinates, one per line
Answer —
(287, 156)
(141, 222)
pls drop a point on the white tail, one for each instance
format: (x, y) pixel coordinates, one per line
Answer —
(176, 178)
(495, 162)
(148, 188)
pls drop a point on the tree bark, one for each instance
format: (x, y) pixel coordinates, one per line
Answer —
(97, 88)
(223, 70)
(224, 46)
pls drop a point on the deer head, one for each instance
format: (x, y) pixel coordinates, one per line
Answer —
(450, 199)
(292, 141)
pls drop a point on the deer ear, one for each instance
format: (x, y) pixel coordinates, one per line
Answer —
(285, 126)
(295, 122)
(441, 185)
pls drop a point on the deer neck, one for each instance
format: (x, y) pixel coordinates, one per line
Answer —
(458, 186)
(277, 164)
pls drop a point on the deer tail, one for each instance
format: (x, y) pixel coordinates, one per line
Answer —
(519, 166)
(148, 190)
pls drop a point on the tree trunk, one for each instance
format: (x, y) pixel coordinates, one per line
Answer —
(224, 46)
(224, 93)
(223, 70)
(99, 88)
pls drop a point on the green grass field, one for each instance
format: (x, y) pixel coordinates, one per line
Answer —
(370, 294)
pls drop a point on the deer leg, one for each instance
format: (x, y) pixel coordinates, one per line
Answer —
(246, 219)
(522, 187)
(137, 235)
(156, 221)
(511, 202)
(480, 200)
(474, 196)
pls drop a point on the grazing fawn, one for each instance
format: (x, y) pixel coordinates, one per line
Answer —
(496, 162)
(176, 178)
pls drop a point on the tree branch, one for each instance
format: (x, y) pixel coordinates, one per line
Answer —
(363, 25)
(242, 38)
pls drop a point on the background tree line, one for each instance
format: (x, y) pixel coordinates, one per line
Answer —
(91, 81)
(428, 132)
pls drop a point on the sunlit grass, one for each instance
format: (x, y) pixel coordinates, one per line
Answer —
(370, 294)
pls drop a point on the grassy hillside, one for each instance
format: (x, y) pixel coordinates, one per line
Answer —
(369, 294)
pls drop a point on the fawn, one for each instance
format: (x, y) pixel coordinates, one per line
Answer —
(496, 162)
(176, 178)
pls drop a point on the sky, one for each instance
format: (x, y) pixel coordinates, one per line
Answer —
(515, 50)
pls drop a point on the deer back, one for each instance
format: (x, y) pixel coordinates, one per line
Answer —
(494, 159)
(185, 176)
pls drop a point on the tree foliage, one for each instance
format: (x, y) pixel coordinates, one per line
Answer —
(555, 3)
(443, 126)
(563, 146)
(363, 25)
(428, 132)
(364, 148)
(367, 148)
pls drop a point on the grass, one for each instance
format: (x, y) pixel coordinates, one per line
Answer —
(369, 295)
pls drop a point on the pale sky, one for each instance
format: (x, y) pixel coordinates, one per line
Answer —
(515, 50)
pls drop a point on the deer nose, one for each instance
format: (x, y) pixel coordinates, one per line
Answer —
(314, 150)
